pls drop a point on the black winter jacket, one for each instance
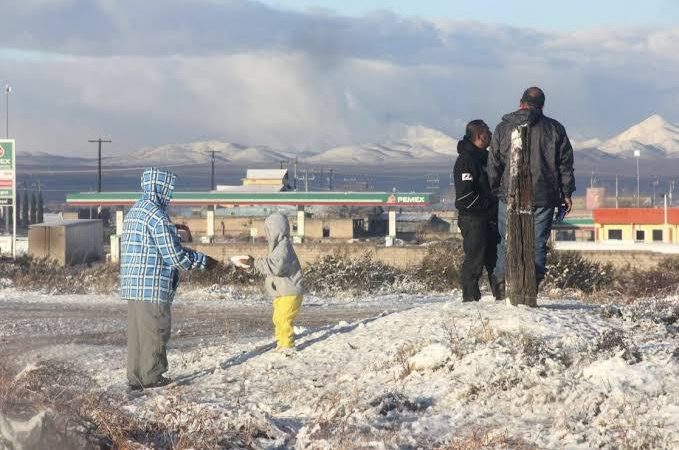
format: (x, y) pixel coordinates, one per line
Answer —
(472, 191)
(551, 158)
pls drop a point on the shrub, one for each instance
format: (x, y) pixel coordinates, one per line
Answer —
(635, 283)
(222, 274)
(570, 270)
(338, 273)
(26, 273)
(440, 268)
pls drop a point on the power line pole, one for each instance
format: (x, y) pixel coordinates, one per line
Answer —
(212, 170)
(332, 175)
(616, 192)
(295, 173)
(637, 154)
(99, 141)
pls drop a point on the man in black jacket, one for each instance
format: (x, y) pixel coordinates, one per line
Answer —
(477, 209)
(551, 166)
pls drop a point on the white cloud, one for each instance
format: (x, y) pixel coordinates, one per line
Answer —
(157, 72)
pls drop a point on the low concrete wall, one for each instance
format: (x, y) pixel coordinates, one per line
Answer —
(623, 258)
(407, 256)
(402, 257)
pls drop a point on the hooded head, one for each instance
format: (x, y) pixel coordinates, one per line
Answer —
(157, 186)
(276, 228)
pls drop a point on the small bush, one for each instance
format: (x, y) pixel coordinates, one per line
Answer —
(614, 340)
(77, 415)
(339, 274)
(660, 280)
(570, 270)
(671, 264)
(223, 274)
(440, 268)
(26, 273)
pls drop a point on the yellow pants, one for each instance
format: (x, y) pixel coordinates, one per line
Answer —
(285, 310)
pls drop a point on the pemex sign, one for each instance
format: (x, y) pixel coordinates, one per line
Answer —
(7, 172)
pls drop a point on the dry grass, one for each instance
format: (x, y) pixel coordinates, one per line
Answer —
(331, 421)
(454, 339)
(80, 416)
(484, 439)
(76, 414)
(440, 268)
(402, 358)
(31, 274)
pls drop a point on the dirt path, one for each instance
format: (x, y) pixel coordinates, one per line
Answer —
(29, 328)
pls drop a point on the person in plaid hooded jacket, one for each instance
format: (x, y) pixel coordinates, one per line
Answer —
(150, 261)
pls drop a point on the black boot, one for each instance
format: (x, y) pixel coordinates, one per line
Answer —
(471, 293)
(498, 287)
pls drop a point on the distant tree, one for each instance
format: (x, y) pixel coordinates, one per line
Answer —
(33, 211)
(24, 209)
(41, 208)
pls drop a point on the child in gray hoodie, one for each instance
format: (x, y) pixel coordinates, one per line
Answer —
(283, 278)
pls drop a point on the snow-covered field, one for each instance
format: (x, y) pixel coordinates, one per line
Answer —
(430, 372)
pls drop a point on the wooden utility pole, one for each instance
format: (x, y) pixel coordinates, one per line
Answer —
(99, 141)
(212, 170)
(520, 262)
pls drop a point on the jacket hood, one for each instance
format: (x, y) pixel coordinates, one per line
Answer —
(465, 145)
(277, 229)
(528, 116)
(158, 186)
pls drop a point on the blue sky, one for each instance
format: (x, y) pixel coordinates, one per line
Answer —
(314, 75)
(569, 15)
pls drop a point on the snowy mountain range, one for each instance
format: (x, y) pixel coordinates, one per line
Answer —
(654, 137)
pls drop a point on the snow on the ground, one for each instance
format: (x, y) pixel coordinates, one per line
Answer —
(564, 375)
(671, 249)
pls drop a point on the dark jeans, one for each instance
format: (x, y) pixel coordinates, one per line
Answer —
(480, 237)
(148, 330)
(542, 227)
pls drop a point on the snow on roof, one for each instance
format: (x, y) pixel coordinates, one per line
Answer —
(250, 188)
(266, 174)
(64, 223)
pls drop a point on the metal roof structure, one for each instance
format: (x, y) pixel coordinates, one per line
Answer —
(266, 174)
(385, 199)
(638, 216)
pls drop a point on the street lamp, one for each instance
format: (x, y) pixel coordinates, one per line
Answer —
(8, 89)
(637, 154)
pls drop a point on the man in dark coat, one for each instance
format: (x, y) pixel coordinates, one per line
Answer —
(477, 209)
(551, 167)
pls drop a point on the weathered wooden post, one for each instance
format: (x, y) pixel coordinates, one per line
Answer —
(520, 264)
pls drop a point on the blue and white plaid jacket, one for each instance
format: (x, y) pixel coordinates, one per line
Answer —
(151, 254)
